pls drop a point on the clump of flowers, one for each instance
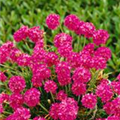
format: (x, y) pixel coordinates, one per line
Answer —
(61, 81)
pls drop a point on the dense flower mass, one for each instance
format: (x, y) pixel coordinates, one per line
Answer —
(66, 81)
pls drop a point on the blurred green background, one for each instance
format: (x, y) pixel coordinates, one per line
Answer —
(104, 14)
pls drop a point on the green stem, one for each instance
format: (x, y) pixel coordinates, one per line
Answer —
(43, 108)
(52, 97)
(78, 99)
(7, 112)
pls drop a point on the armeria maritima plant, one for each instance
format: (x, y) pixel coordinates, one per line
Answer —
(64, 83)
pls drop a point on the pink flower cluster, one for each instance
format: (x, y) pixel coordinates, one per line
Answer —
(65, 110)
(64, 73)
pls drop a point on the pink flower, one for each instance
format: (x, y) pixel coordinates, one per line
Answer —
(74, 59)
(104, 91)
(88, 29)
(14, 54)
(78, 88)
(23, 60)
(113, 107)
(113, 118)
(85, 59)
(65, 50)
(38, 46)
(63, 73)
(81, 75)
(21, 34)
(32, 97)
(89, 48)
(98, 62)
(71, 22)
(36, 81)
(21, 114)
(5, 50)
(39, 118)
(50, 86)
(104, 52)
(54, 111)
(35, 34)
(78, 27)
(3, 97)
(116, 87)
(3, 78)
(17, 84)
(1, 108)
(41, 71)
(51, 58)
(89, 100)
(61, 95)
(100, 37)
(16, 101)
(52, 21)
(68, 109)
(62, 39)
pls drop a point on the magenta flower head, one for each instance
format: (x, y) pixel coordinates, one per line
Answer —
(54, 111)
(98, 62)
(39, 118)
(3, 97)
(88, 29)
(36, 81)
(113, 107)
(116, 86)
(41, 71)
(16, 101)
(65, 50)
(32, 97)
(14, 54)
(21, 114)
(24, 60)
(35, 34)
(71, 22)
(51, 58)
(63, 73)
(52, 21)
(50, 86)
(78, 88)
(17, 84)
(113, 118)
(100, 37)
(1, 108)
(81, 75)
(104, 91)
(89, 48)
(5, 51)
(61, 95)
(89, 100)
(62, 39)
(21, 34)
(3, 78)
(68, 109)
(104, 52)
